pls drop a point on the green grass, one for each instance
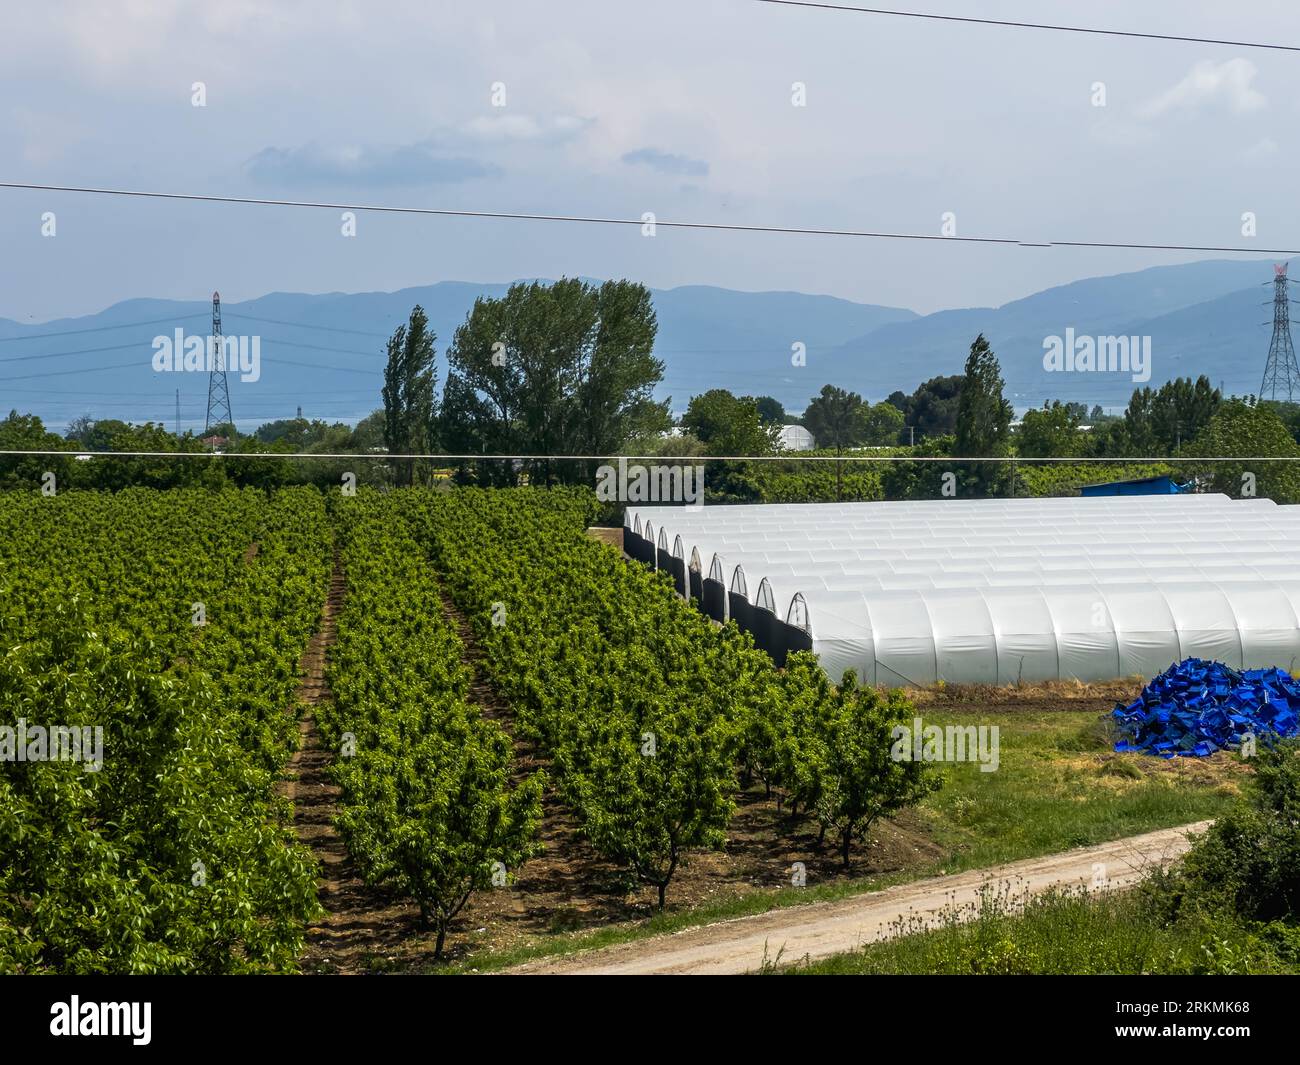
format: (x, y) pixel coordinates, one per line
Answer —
(1066, 932)
(1058, 786)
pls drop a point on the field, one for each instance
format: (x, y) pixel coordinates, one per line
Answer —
(446, 730)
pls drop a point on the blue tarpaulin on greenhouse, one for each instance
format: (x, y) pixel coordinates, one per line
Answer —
(1198, 707)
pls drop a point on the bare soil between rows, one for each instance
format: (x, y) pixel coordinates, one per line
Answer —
(569, 887)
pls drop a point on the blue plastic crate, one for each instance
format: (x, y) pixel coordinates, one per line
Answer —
(1197, 707)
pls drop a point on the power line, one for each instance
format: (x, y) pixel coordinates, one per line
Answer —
(318, 366)
(1032, 25)
(317, 347)
(68, 373)
(137, 394)
(101, 328)
(124, 347)
(185, 318)
(597, 220)
(66, 354)
(304, 325)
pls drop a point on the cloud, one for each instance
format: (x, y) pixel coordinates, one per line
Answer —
(1261, 151)
(407, 164)
(666, 162)
(517, 127)
(1209, 83)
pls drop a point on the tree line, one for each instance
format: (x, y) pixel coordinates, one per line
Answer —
(568, 369)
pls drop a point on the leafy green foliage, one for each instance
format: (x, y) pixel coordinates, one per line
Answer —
(563, 368)
(861, 781)
(1239, 428)
(429, 806)
(983, 419)
(932, 409)
(1052, 432)
(729, 425)
(26, 432)
(1248, 863)
(771, 410)
(410, 403)
(809, 482)
(1067, 478)
(835, 418)
(637, 697)
(649, 711)
(176, 856)
(882, 425)
(1160, 421)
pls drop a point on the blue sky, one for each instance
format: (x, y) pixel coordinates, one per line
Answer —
(617, 108)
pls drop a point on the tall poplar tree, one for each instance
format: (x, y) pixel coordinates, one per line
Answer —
(983, 418)
(410, 401)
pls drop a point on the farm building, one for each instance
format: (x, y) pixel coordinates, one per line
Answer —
(796, 438)
(994, 591)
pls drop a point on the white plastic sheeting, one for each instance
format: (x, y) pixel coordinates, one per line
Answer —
(999, 591)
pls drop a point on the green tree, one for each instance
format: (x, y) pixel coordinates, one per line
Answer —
(882, 424)
(862, 782)
(918, 480)
(564, 368)
(729, 425)
(932, 409)
(1247, 865)
(770, 410)
(368, 433)
(410, 405)
(432, 815)
(1288, 412)
(835, 418)
(1052, 432)
(26, 432)
(644, 807)
(1242, 428)
(983, 418)
(115, 474)
(1160, 421)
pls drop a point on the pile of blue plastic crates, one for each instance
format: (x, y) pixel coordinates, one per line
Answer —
(1198, 707)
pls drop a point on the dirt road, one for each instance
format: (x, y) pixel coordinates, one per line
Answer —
(826, 928)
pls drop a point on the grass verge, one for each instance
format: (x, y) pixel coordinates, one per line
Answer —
(1058, 785)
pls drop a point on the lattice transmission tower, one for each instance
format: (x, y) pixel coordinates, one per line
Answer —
(1281, 375)
(218, 386)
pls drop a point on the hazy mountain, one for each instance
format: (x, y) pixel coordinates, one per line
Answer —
(1205, 317)
(325, 352)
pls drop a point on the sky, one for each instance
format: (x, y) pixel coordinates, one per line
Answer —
(614, 109)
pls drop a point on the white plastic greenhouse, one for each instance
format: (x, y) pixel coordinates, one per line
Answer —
(994, 591)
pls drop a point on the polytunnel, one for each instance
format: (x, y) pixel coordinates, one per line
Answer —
(714, 600)
(1002, 591)
(695, 577)
(738, 608)
(677, 567)
(636, 545)
(763, 621)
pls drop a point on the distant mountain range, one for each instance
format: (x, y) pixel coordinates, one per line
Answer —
(325, 352)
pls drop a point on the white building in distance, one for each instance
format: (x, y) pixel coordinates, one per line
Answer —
(796, 438)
